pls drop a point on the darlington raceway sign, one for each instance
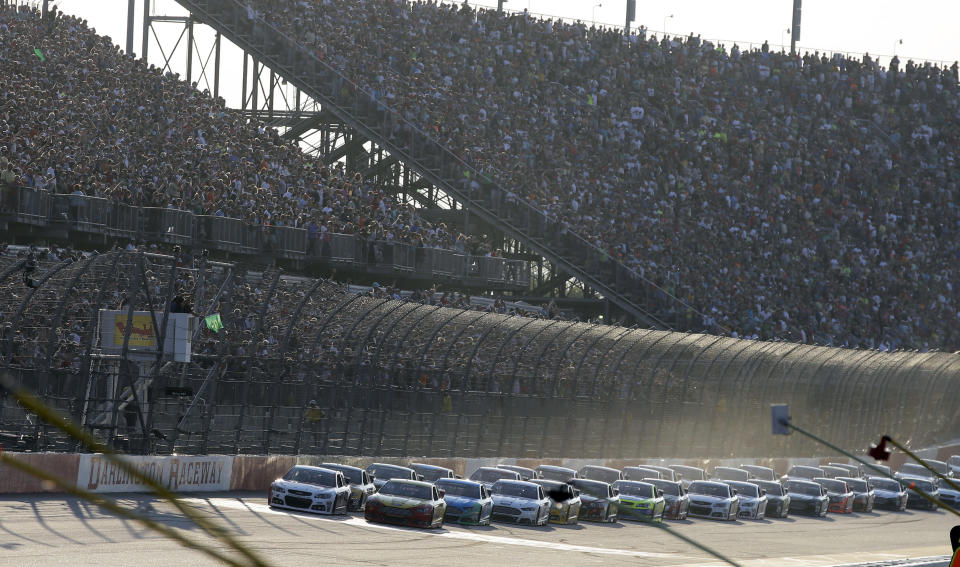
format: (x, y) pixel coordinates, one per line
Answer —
(175, 473)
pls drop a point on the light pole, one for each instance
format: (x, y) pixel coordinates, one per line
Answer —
(665, 18)
(782, 44)
(899, 42)
(594, 15)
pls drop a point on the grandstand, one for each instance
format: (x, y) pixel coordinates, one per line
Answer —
(796, 197)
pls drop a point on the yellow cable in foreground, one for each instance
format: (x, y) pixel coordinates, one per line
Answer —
(112, 506)
(63, 423)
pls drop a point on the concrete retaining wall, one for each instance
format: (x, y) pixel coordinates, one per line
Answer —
(64, 467)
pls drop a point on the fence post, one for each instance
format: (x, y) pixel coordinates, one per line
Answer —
(406, 438)
(433, 427)
(239, 428)
(504, 422)
(209, 412)
(383, 421)
(268, 426)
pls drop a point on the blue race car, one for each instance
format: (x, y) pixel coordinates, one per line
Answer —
(468, 502)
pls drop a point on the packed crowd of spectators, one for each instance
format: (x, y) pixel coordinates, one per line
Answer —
(77, 116)
(799, 197)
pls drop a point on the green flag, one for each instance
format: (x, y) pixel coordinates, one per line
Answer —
(213, 322)
(39, 54)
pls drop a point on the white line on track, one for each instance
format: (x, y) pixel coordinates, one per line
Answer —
(355, 521)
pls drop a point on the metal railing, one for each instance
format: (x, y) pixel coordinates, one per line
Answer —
(97, 216)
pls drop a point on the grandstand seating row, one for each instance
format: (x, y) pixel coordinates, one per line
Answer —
(803, 197)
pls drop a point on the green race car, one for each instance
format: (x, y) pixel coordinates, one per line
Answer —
(640, 501)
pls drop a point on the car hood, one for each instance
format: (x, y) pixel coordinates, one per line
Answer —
(462, 501)
(399, 501)
(839, 494)
(587, 499)
(751, 499)
(638, 499)
(289, 485)
(800, 496)
(514, 501)
(703, 499)
(887, 493)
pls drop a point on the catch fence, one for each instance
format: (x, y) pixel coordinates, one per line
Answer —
(306, 367)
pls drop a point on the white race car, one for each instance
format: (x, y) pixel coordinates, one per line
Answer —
(520, 502)
(311, 489)
(710, 499)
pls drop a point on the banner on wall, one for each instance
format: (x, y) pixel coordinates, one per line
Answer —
(178, 473)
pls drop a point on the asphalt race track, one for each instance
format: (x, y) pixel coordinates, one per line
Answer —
(54, 530)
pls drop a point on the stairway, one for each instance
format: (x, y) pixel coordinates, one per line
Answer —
(370, 119)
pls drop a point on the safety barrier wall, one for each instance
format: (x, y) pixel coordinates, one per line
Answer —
(243, 473)
(97, 216)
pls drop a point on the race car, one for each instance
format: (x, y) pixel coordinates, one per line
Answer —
(677, 501)
(942, 468)
(640, 473)
(778, 498)
(830, 471)
(520, 502)
(381, 473)
(841, 497)
(564, 501)
(407, 502)
(468, 502)
(759, 472)
(853, 471)
(310, 489)
(913, 470)
(753, 499)
(604, 474)
(599, 501)
(807, 497)
(877, 470)
(864, 496)
(524, 472)
(689, 474)
(710, 499)
(890, 494)
(802, 472)
(561, 474)
(361, 485)
(948, 494)
(639, 501)
(488, 476)
(730, 473)
(432, 473)
(954, 463)
(914, 500)
(666, 473)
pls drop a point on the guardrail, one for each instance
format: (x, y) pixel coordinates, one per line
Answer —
(98, 216)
